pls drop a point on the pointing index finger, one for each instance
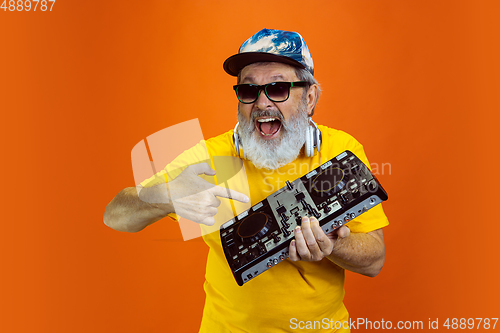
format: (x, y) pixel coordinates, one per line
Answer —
(230, 194)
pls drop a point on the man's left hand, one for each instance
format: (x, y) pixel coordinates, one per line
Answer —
(311, 243)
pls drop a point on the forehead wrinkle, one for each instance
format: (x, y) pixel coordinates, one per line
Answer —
(274, 78)
(277, 77)
(269, 71)
(246, 79)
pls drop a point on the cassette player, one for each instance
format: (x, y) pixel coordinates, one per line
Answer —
(335, 193)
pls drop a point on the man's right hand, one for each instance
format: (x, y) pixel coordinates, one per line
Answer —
(188, 195)
(196, 199)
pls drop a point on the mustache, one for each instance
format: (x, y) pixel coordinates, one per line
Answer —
(267, 113)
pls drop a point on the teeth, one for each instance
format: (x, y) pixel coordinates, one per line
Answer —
(266, 120)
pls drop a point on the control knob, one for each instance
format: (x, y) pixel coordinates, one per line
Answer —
(253, 227)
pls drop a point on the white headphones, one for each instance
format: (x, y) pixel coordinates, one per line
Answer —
(313, 140)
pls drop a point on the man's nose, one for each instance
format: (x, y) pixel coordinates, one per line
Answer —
(262, 101)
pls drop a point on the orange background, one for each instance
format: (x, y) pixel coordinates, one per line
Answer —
(417, 82)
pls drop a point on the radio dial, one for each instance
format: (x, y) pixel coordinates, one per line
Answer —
(253, 227)
(328, 182)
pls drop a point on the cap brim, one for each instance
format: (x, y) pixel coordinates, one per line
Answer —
(234, 64)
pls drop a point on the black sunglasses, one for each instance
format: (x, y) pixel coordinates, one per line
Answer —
(275, 91)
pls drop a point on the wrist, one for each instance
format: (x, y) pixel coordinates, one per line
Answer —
(157, 196)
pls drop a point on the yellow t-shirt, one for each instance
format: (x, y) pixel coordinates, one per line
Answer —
(291, 293)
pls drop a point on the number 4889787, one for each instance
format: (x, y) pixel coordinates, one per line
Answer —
(27, 5)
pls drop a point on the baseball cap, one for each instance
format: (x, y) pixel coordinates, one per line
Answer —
(269, 45)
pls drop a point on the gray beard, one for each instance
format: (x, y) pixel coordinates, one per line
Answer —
(275, 153)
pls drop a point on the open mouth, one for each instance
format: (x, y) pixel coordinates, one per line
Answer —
(268, 126)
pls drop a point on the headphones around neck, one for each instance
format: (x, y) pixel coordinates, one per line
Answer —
(313, 140)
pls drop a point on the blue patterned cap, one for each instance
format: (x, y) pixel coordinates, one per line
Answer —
(270, 45)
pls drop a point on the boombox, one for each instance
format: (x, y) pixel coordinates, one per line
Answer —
(335, 193)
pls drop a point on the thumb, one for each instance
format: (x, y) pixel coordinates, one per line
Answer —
(344, 231)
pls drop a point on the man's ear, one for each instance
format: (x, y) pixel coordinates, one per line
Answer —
(312, 99)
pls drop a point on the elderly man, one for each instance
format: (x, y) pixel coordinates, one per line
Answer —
(276, 140)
